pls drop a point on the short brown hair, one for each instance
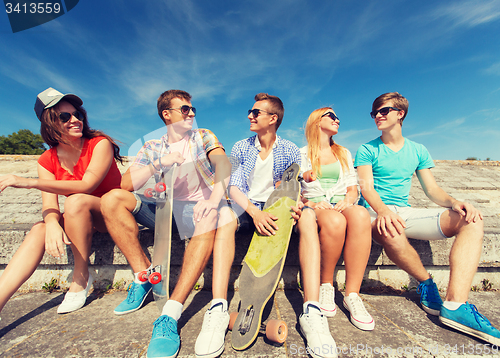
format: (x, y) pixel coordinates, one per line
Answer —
(165, 99)
(276, 106)
(398, 101)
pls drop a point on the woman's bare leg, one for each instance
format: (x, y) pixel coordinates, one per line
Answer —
(82, 217)
(23, 263)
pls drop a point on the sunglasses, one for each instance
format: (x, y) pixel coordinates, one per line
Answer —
(65, 116)
(332, 116)
(185, 109)
(383, 111)
(255, 112)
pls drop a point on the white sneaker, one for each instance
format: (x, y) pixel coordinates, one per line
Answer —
(359, 315)
(314, 327)
(327, 300)
(75, 300)
(210, 341)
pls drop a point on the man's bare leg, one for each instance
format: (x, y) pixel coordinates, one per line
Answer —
(117, 206)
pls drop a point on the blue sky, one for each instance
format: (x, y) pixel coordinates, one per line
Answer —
(118, 56)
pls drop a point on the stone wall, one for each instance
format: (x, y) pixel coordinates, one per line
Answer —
(477, 182)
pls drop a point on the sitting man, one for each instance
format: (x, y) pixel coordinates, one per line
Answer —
(201, 178)
(385, 167)
(258, 165)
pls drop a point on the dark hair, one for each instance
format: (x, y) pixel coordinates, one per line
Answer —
(51, 129)
(276, 106)
(398, 101)
(165, 99)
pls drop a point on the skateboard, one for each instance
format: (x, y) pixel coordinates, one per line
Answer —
(159, 275)
(262, 267)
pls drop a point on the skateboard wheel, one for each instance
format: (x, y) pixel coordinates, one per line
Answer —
(232, 319)
(148, 193)
(155, 278)
(143, 276)
(276, 330)
(309, 176)
(278, 183)
(160, 187)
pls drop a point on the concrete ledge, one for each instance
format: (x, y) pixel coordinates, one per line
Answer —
(111, 267)
(477, 182)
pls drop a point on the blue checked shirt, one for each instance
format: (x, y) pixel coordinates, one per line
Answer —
(244, 156)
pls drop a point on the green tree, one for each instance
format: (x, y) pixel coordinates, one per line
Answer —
(22, 142)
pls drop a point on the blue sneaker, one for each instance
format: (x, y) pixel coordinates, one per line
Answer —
(468, 320)
(137, 293)
(429, 297)
(165, 341)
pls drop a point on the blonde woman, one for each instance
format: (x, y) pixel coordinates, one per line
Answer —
(340, 224)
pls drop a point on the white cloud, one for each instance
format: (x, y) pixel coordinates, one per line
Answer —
(468, 13)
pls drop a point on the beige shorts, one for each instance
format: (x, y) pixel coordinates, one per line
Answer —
(421, 223)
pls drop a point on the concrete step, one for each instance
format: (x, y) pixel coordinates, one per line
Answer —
(473, 181)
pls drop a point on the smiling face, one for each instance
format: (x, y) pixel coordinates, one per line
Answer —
(329, 125)
(181, 122)
(73, 128)
(265, 120)
(391, 119)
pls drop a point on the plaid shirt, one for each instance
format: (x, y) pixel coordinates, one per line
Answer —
(244, 156)
(201, 142)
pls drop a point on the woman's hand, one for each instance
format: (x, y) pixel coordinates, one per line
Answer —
(323, 205)
(341, 206)
(55, 240)
(15, 182)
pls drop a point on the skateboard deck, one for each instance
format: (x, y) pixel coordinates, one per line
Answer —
(162, 238)
(263, 263)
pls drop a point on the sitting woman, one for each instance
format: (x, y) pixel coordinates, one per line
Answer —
(331, 192)
(80, 164)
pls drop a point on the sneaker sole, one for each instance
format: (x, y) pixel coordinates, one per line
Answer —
(329, 313)
(431, 311)
(172, 356)
(473, 332)
(134, 309)
(358, 324)
(211, 355)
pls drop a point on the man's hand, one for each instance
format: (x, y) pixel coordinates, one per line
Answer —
(391, 223)
(265, 223)
(203, 208)
(297, 211)
(468, 211)
(170, 159)
(55, 240)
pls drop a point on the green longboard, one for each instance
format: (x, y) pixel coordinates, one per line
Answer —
(162, 240)
(264, 261)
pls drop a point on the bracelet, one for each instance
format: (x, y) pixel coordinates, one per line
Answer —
(153, 165)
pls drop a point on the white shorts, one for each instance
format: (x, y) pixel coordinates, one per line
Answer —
(421, 223)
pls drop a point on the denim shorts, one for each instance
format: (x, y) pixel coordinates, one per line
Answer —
(145, 209)
(245, 221)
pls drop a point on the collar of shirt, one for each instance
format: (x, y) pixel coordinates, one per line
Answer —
(259, 147)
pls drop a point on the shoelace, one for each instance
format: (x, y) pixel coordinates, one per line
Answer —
(478, 316)
(213, 320)
(317, 323)
(164, 327)
(131, 290)
(357, 306)
(428, 293)
(326, 294)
